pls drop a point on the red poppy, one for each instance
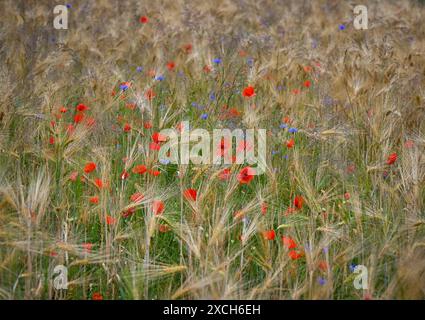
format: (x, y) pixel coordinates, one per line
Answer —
(129, 212)
(127, 127)
(207, 69)
(164, 228)
(269, 234)
(82, 107)
(99, 183)
(158, 207)
(150, 94)
(78, 117)
(294, 255)
(124, 175)
(347, 196)
(290, 143)
(298, 202)
(87, 246)
(52, 140)
(392, 158)
(147, 125)
(224, 174)
(296, 91)
(157, 137)
(144, 19)
(73, 176)
(323, 265)
(248, 92)
(136, 197)
(171, 65)
(110, 220)
(94, 200)
(90, 167)
(155, 173)
(287, 120)
(190, 194)
(246, 175)
(154, 146)
(307, 83)
(264, 207)
(140, 169)
(289, 242)
(187, 48)
(97, 296)
(63, 110)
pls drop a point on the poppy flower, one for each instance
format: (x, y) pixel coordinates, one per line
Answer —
(289, 242)
(124, 175)
(90, 167)
(79, 117)
(323, 265)
(158, 207)
(269, 235)
(63, 110)
(298, 202)
(187, 48)
(129, 212)
(127, 127)
(81, 107)
(144, 19)
(87, 246)
(155, 173)
(207, 69)
(94, 200)
(296, 91)
(52, 140)
(164, 228)
(154, 146)
(110, 220)
(190, 194)
(264, 207)
(73, 176)
(139, 169)
(290, 143)
(307, 83)
(171, 65)
(392, 158)
(136, 197)
(97, 296)
(248, 92)
(347, 196)
(246, 175)
(294, 255)
(147, 125)
(99, 183)
(157, 137)
(224, 174)
(150, 94)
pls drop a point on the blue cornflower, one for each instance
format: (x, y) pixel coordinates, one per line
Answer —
(204, 116)
(352, 266)
(123, 87)
(68, 6)
(139, 69)
(321, 281)
(274, 152)
(293, 130)
(194, 104)
(212, 96)
(160, 78)
(217, 60)
(341, 27)
(250, 61)
(164, 161)
(283, 126)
